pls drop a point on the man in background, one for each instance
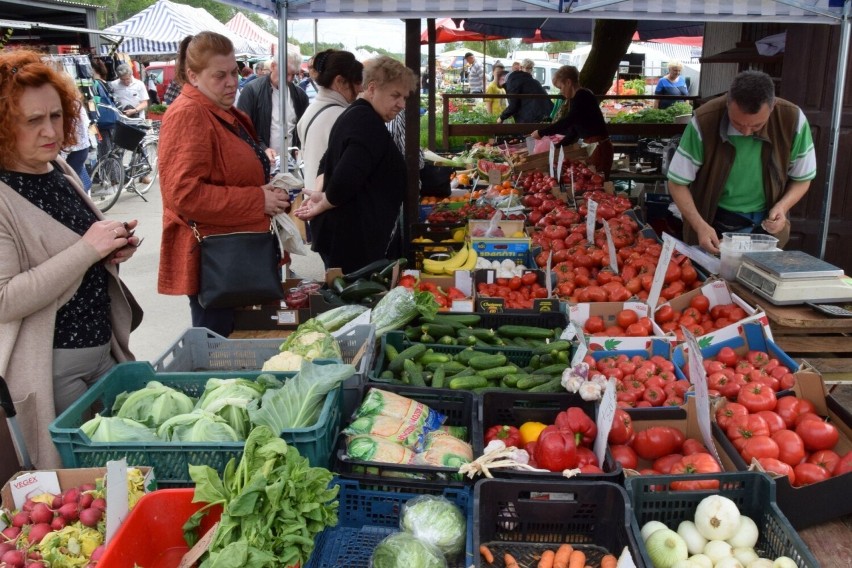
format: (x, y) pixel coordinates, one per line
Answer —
(525, 110)
(130, 94)
(475, 74)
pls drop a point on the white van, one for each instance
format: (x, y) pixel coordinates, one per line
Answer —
(521, 55)
(543, 72)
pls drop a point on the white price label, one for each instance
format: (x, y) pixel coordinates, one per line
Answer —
(591, 218)
(698, 377)
(582, 347)
(610, 246)
(559, 164)
(548, 284)
(606, 414)
(660, 273)
(573, 196)
(551, 155)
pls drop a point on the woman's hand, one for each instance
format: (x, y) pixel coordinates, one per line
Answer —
(275, 200)
(271, 154)
(108, 237)
(534, 134)
(312, 207)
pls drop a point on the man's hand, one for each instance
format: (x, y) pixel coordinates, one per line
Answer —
(707, 238)
(775, 220)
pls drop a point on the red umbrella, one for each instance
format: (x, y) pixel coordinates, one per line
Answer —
(446, 31)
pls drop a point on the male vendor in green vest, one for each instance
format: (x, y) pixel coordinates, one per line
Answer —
(744, 161)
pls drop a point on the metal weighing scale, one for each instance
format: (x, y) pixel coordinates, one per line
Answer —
(793, 277)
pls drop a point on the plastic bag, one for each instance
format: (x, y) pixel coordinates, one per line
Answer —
(288, 235)
(543, 144)
(444, 450)
(494, 229)
(404, 550)
(437, 521)
(395, 418)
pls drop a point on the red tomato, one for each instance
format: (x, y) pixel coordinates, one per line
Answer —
(744, 427)
(757, 358)
(657, 441)
(726, 414)
(692, 464)
(625, 318)
(757, 397)
(622, 428)
(773, 419)
(636, 330)
(844, 465)
(515, 283)
(790, 407)
(727, 356)
(759, 447)
(826, 459)
(700, 303)
(817, 435)
(664, 464)
(791, 448)
(693, 446)
(585, 457)
(529, 278)
(664, 314)
(625, 456)
(778, 467)
(807, 473)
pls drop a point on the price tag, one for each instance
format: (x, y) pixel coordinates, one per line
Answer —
(613, 259)
(698, 256)
(591, 218)
(548, 283)
(116, 496)
(494, 177)
(573, 196)
(550, 157)
(582, 347)
(559, 165)
(625, 560)
(530, 142)
(698, 377)
(660, 273)
(606, 414)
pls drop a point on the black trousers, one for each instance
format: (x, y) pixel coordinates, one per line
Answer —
(217, 320)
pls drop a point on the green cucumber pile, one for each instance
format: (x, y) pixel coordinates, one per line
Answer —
(461, 329)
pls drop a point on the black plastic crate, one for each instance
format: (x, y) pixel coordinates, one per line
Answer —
(457, 405)
(525, 517)
(516, 407)
(546, 320)
(652, 499)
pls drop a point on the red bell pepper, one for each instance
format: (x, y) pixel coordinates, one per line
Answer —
(579, 424)
(555, 449)
(408, 281)
(509, 435)
(455, 294)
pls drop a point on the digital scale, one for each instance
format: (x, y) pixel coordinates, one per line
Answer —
(793, 277)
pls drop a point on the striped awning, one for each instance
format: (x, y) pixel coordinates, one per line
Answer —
(244, 27)
(161, 27)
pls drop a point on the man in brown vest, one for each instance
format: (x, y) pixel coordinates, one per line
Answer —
(744, 161)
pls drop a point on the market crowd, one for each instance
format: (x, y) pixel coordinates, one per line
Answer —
(65, 316)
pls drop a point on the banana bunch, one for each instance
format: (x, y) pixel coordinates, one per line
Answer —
(464, 259)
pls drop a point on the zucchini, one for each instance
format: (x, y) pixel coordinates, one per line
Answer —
(366, 271)
(554, 369)
(497, 372)
(438, 378)
(487, 361)
(361, 289)
(533, 381)
(468, 383)
(553, 385)
(525, 331)
(331, 298)
(413, 352)
(415, 375)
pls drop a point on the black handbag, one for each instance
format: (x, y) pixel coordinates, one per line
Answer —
(239, 269)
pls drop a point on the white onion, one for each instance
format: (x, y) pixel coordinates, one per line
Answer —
(784, 562)
(729, 562)
(665, 547)
(685, 564)
(695, 543)
(717, 518)
(745, 555)
(760, 563)
(650, 528)
(717, 550)
(746, 534)
(701, 560)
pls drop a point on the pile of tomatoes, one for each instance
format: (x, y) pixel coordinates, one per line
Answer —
(584, 179)
(627, 324)
(699, 318)
(640, 381)
(785, 435)
(755, 374)
(662, 450)
(517, 292)
(444, 215)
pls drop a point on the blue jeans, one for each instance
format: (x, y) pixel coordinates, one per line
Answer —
(757, 218)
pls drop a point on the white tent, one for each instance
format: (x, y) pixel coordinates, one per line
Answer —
(163, 25)
(244, 27)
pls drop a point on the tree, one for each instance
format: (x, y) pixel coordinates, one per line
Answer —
(609, 44)
(382, 51)
(265, 23)
(561, 46)
(493, 48)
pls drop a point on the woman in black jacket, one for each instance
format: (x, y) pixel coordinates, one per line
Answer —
(354, 219)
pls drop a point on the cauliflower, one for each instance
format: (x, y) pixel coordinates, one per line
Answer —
(284, 361)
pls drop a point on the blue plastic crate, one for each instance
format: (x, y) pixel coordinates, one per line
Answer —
(367, 516)
(171, 460)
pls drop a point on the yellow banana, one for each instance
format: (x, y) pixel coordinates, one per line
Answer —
(442, 266)
(470, 263)
(457, 260)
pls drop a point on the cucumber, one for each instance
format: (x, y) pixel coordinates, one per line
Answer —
(466, 372)
(415, 375)
(554, 347)
(387, 375)
(338, 284)
(435, 321)
(413, 352)
(438, 330)
(512, 379)
(497, 372)
(464, 319)
(468, 383)
(554, 369)
(413, 333)
(519, 342)
(431, 357)
(535, 361)
(533, 381)
(553, 385)
(438, 378)
(426, 338)
(487, 361)
(525, 331)
(390, 352)
(366, 271)
(469, 340)
(453, 367)
(448, 340)
(361, 289)
(485, 335)
(465, 355)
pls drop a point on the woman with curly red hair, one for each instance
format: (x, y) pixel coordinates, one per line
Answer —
(65, 317)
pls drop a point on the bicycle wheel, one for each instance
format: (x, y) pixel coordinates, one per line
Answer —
(148, 159)
(107, 181)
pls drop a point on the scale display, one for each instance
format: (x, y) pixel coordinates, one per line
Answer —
(793, 277)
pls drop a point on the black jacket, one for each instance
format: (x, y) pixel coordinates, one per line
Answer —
(584, 119)
(256, 101)
(526, 110)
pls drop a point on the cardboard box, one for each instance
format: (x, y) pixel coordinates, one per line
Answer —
(493, 305)
(461, 279)
(811, 504)
(499, 248)
(272, 316)
(580, 313)
(718, 293)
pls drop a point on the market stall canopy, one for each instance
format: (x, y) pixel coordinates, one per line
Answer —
(576, 29)
(447, 31)
(163, 25)
(244, 27)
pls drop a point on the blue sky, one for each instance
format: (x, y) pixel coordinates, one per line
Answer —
(385, 33)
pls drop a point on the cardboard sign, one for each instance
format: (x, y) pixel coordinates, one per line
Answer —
(613, 258)
(116, 497)
(551, 155)
(698, 377)
(606, 414)
(582, 347)
(660, 274)
(32, 484)
(559, 164)
(591, 218)
(697, 255)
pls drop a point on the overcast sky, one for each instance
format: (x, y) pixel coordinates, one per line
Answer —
(384, 33)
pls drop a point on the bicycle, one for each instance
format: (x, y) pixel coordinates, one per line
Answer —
(132, 158)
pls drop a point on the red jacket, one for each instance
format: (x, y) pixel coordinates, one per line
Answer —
(209, 175)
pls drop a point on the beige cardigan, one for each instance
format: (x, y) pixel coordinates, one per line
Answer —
(42, 264)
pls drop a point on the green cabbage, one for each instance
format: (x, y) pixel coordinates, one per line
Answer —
(437, 521)
(229, 398)
(105, 429)
(404, 550)
(152, 405)
(312, 341)
(197, 426)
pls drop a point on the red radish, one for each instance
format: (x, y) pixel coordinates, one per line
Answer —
(71, 496)
(70, 512)
(33, 555)
(20, 519)
(28, 505)
(57, 502)
(58, 523)
(37, 532)
(6, 547)
(37, 564)
(91, 516)
(11, 533)
(13, 558)
(88, 487)
(41, 513)
(99, 503)
(97, 553)
(86, 500)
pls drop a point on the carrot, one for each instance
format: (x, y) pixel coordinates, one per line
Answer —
(486, 554)
(546, 560)
(510, 561)
(562, 556)
(608, 561)
(577, 559)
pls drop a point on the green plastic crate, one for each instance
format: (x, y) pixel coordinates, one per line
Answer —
(171, 460)
(653, 499)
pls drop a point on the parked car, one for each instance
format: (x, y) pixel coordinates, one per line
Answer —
(164, 73)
